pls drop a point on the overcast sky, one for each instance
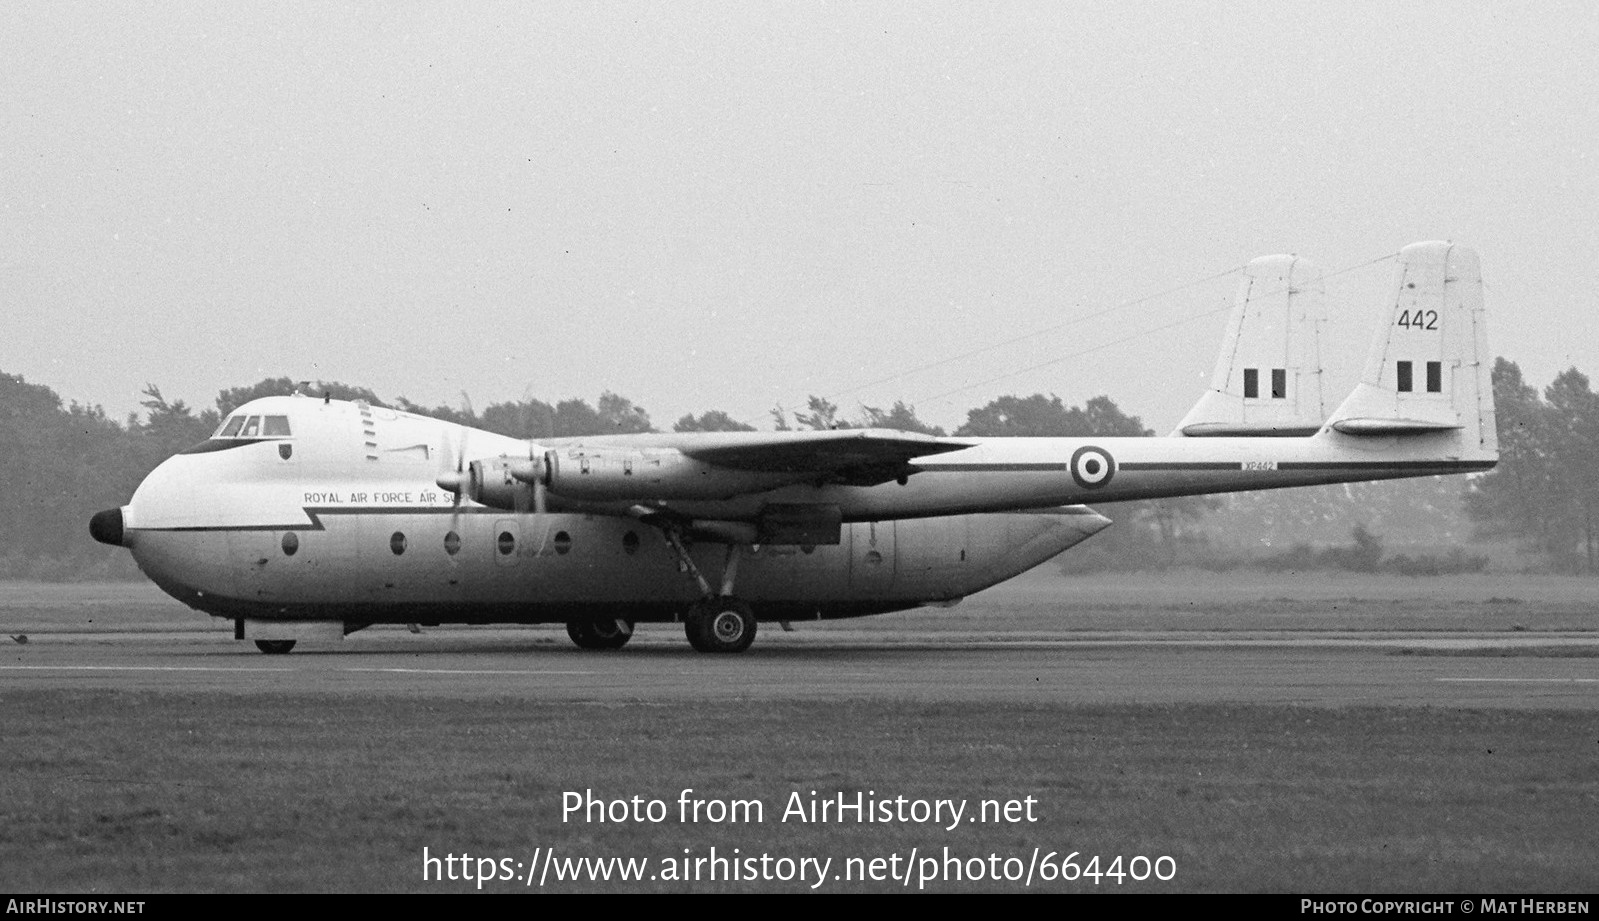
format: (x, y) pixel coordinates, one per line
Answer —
(731, 206)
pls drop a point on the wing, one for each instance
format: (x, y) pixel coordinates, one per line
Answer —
(850, 455)
(860, 457)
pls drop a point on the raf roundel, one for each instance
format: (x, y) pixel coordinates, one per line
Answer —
(1092, 467)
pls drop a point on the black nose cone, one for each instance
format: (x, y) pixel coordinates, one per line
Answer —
(106, 526)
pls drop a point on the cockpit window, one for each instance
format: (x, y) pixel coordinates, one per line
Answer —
(243, 430)
(254, 427)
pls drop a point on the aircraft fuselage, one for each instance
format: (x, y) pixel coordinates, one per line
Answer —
(343, 520)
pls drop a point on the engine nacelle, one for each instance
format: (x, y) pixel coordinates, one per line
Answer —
(495, 482)
(604, 474)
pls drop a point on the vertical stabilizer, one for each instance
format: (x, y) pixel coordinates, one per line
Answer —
(1428, 368)
(1268, 379)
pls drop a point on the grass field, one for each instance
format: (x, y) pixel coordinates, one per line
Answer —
(117, 791)
(284, 791)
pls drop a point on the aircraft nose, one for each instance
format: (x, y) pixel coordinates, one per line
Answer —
(106, 527)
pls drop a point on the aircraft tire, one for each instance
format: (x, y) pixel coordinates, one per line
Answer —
(274, 647)
(607, 633)
(723, 624)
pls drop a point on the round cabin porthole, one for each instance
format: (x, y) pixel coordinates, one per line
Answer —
(563, 543)
(291, 543)
(506, 543)
(452, 543)
(397, 543)
(630, 542)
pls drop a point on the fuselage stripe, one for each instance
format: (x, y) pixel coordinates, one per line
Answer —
(1136, 466)
(1452, 466)
(315, 515)
(1162, 466)
(993, 468)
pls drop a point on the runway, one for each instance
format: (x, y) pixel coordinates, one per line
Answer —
(1331, 669)
(1253, 756)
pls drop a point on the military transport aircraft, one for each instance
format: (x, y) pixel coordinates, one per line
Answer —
(308, 518)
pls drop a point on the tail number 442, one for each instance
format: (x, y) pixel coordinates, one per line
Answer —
(1418, 319)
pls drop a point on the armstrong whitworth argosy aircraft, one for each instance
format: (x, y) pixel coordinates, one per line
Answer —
(309, 518)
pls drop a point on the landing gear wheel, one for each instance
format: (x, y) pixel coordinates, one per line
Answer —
(608, 633)
(723, 624)
(274, 647)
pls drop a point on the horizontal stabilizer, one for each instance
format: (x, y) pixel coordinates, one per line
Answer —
(1392, 426)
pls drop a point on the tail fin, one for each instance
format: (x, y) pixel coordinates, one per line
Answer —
(1268, 378)
(1428, 369)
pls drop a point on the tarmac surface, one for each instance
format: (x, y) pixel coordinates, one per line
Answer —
(1334, 668)
(1468, 658)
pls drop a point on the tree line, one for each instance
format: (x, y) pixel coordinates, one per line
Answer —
(64, 461)
(1545, 491)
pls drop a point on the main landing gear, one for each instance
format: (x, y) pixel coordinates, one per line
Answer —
(605, 633)
(274, 647)
(718, 622)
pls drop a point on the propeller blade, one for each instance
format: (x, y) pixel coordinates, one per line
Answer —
(540, 512)
(457, 481)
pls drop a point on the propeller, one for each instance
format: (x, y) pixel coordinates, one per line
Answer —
(467, 480)
(536, 473)
(461, 480)
(457, 481)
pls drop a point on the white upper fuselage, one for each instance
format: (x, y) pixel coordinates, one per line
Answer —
(342, 518)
